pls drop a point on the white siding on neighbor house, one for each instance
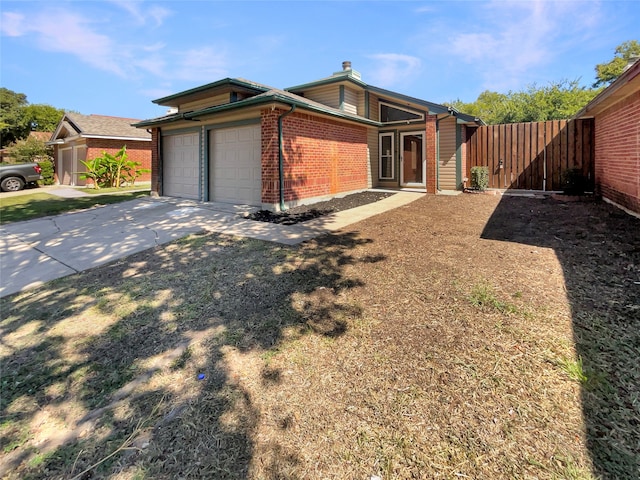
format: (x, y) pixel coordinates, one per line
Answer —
(350, 101)
(213, 101)
(447, 160)
(327, 95)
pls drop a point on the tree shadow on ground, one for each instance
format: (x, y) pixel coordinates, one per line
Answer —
(133, 357)
(598, 247)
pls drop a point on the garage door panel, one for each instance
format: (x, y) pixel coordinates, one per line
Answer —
(235, 169)
(181, 165)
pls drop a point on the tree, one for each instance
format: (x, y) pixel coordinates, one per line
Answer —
(13, 124)
(30, 149)
(556, 101)
(18, 118)
(609, 71)
(43, 118)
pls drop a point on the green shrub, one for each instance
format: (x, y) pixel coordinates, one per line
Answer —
(573, 181)
(480, 178)
(47, 172)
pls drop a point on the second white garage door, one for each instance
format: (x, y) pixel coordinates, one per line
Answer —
(180, 171)
(235, 171)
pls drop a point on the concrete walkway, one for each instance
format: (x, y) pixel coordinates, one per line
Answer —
(40, 250)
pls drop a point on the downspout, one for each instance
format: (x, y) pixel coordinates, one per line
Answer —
(160, 186)
(281, 157)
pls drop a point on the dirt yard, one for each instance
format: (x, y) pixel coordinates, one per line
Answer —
(473, 336)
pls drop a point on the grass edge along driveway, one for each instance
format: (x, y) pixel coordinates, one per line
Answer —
(38, 204)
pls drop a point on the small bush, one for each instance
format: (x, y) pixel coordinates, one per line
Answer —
(573, 182)
(480, 177)
(47, 172)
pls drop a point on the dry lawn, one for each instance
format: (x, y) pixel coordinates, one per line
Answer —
(457, 337)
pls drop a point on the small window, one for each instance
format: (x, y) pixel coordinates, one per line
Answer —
(394, 114)
(385, 167)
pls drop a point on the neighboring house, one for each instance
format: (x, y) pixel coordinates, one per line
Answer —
(616, 113)
(238, 141)
(81, 137)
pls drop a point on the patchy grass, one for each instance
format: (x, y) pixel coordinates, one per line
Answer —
(29, 206)
(374, 351)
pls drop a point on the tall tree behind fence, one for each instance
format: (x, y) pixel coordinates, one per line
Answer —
(532, 156)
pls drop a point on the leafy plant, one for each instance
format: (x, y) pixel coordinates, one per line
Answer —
(480, 177)
(112, 170)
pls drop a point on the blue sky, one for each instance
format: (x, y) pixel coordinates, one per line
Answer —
(113, 57)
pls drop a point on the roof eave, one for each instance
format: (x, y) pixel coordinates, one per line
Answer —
(258, 100)
(599, 103)
(170, 99)
(327, 81)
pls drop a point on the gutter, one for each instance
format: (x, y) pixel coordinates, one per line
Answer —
(281, 157)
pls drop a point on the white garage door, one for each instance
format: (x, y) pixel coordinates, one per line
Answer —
(181, 166)
(235, 173)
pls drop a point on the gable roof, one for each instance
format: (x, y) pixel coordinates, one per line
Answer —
(263, 94)
(348, 75)
(97, 126)
(273, 95)
(203, 90)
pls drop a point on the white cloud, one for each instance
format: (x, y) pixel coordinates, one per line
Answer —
(205, 64)
(65, 32)
(80, 36)
(12, 24)
(518, 39)
(393, 68)
(142, 12)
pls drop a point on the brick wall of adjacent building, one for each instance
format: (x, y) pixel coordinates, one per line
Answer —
(617, 146)
(322, 157)
(137, 151)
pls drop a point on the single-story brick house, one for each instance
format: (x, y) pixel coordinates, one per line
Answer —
(616, 114)
(237, 141)
(80, 137)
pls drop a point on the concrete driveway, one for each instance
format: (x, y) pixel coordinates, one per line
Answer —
(37, 251)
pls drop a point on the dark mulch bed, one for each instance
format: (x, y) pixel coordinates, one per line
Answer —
(303, 213)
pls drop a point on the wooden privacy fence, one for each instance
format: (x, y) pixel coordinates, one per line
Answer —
(532, 156)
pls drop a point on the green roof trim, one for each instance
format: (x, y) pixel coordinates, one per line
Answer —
(328, 81)
(231, 82)
(271, 96)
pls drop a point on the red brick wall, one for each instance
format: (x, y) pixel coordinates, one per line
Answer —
(617, 157)
(137, 151)
(321, 157)
(431, 154)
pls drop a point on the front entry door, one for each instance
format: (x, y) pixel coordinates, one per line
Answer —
(412, 161)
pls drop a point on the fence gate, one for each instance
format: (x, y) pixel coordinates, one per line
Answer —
(532, 156)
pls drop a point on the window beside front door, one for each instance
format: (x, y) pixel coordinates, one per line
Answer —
(385, 164)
